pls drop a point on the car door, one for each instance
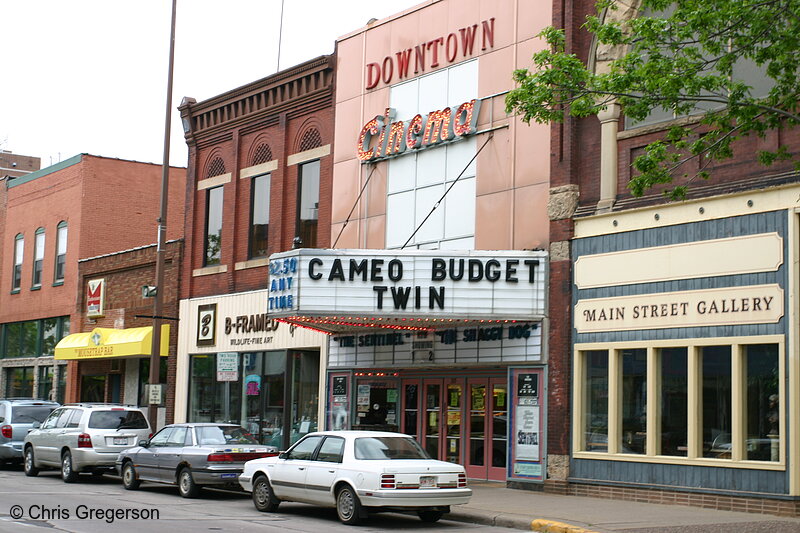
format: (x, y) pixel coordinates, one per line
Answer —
(146, 460)
(321, 473)
(170, 455)
(67, 430)
(288, 474)
(37, 436)
(46, 444)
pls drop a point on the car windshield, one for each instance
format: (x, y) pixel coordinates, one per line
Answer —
(372, 448)
(117, 419)
(28, 414)
(223, 435)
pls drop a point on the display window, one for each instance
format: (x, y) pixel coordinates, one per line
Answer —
(253, 389)
(699, 401)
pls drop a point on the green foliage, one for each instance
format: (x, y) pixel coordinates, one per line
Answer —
(686, 60)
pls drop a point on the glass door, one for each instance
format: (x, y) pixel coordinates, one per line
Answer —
(476, 429)
(499, 429)
(432, 423)
(452, 452)
(411, 418)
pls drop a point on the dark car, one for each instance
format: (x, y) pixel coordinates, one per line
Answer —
(17, 417)
(191, 456)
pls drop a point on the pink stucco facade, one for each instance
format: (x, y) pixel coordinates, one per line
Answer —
(487, 40)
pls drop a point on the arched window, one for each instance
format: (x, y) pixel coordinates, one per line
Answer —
(61, 252)
(38, 258)
(19, 250)
(311, 139)
(262, 154)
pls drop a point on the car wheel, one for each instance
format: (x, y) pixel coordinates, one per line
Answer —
(129, 478)
(348, 506)
(28, 465)
(68, 474)
(263, 497)
(429, 516)
(186, 485)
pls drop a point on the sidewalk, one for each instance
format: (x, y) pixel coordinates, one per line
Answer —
(493, 504)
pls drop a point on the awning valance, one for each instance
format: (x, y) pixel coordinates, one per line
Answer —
(103, 343)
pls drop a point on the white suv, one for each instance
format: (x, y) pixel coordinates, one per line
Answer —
(83, 437)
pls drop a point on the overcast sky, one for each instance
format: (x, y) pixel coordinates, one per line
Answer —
(90, 75)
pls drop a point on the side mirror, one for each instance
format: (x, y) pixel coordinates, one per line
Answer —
(143, 443)
(36, 425)
(283, 455)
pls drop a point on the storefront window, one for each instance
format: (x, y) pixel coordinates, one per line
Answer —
(499, 424)
(45, 385)
(305, 394)
(93, 388)
(62, 383)
(256, 399)
(634, 401)
(595, 410)
(763, 403)
(33, 338)
(144, 377)
(716, 401)
(674, 401)
(19, 382)
(49, 336)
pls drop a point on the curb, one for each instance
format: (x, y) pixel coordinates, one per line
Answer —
(488, 519)
(551, 526)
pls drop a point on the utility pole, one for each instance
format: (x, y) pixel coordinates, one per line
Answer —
(158, 302)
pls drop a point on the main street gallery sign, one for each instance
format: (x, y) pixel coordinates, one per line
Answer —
(441, 284)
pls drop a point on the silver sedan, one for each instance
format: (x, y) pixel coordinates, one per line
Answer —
(191, 456)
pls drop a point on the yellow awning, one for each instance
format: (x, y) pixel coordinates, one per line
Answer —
(103, 343)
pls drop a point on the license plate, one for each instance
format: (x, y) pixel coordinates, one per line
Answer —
(228, 476)
(426, 482)
(120, 440)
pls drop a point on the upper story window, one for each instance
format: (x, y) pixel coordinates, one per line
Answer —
(61, 252)
(213, 239)
(307, 204)
(19, 249)
(38, 257)
(259, 215)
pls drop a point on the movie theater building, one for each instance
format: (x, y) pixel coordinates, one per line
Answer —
(433, 295)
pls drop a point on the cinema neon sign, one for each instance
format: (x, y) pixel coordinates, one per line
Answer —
(395, 138)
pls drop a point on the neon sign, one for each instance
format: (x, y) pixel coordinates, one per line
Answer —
(394, 138)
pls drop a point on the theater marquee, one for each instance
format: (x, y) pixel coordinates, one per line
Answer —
(386, 287)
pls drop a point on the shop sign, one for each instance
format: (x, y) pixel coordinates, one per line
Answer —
(753, 304)
(207, 325)
(95, 298)
(394, 138)
(442, 284)
(432, 53)
(227, 366)
(517, 341)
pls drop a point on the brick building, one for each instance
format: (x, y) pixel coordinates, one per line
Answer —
(121, 276)
(85, 206)
(259, 182)
(677, 381)
(16, 165)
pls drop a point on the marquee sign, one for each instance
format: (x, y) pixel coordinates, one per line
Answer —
(419, 287)
(394, 138)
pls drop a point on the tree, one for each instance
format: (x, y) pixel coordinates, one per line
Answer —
(684, 58)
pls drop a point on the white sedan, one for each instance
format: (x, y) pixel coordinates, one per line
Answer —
(357, 472)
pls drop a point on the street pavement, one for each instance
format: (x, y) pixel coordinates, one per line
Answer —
(48, 503)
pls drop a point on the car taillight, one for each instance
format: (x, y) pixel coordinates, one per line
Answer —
(84, 440)
(6, 431)
(462, 481)
(387, 481)
(220, 458)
